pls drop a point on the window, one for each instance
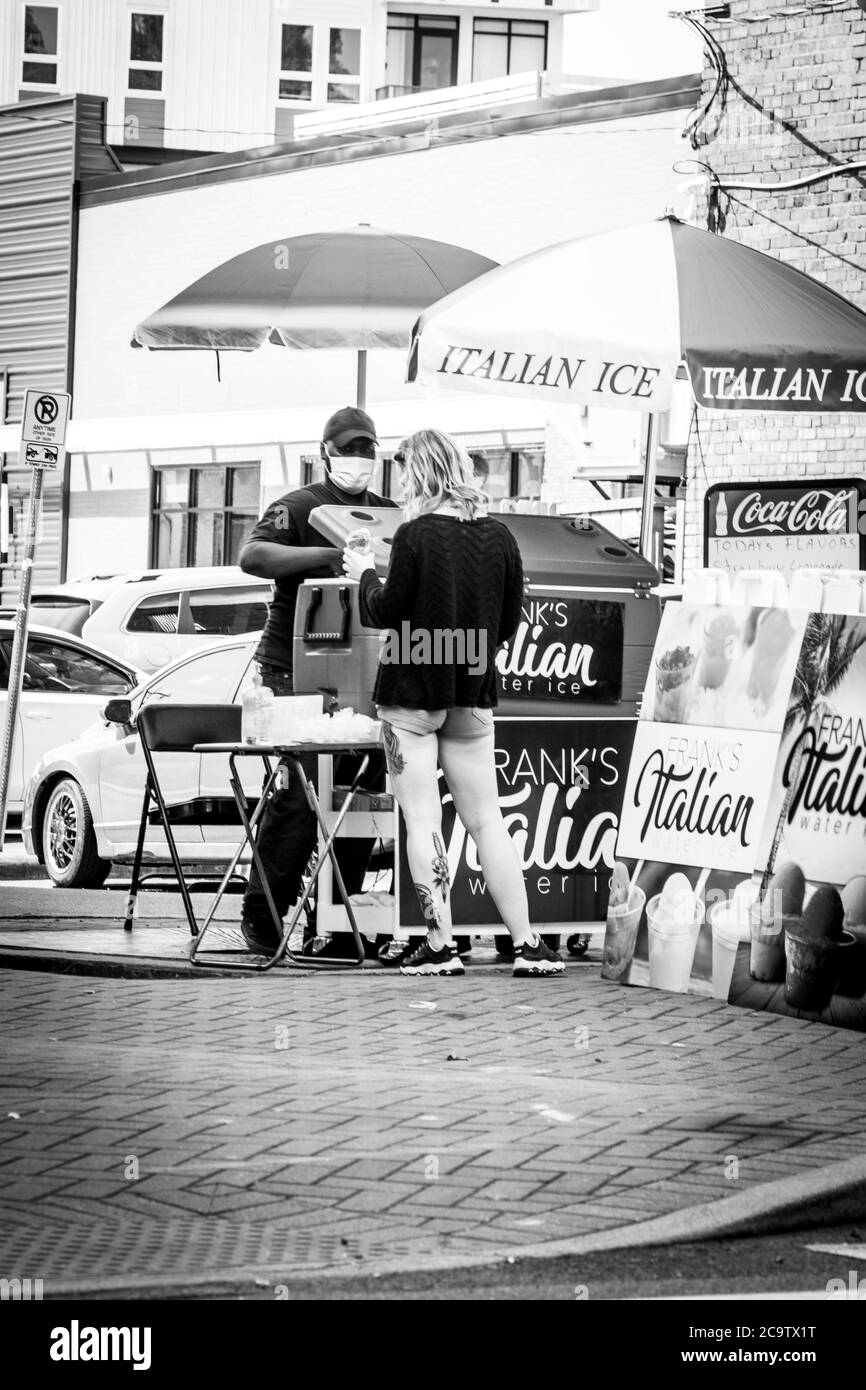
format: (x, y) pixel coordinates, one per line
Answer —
(145, 52)
(211, 678)
(40, 45)
(421, 53)
(344, 61)
(201, 516)
(156, 613)
(509, 472)
(296, 63)
(69, 614)
(229, 612)
(54, 667)
(504, 46)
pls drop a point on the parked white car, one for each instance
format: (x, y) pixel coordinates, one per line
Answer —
(151, 617)
(83, 801)
(67, 682)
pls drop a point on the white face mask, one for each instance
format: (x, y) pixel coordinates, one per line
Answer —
(350, 472)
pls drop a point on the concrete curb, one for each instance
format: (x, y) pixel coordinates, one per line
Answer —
(822, 1197)
(115, 968)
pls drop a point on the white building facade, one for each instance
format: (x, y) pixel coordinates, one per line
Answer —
(204, 75)
(169, 460)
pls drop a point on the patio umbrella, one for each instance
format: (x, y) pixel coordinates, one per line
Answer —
(606, 320)
(361, 288)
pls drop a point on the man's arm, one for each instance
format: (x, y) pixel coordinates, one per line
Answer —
(272, 560)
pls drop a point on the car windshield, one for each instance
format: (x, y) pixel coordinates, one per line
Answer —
(67, 614)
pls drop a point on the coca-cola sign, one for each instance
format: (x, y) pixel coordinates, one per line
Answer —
(786, 526)
(564, 649)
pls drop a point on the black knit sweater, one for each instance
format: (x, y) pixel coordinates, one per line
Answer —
(453, 593)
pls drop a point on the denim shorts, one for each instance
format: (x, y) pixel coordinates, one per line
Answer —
(458, 723)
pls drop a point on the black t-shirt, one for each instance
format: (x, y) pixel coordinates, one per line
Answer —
(287, 522)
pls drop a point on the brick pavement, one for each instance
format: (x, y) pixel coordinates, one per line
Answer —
(155, 1128)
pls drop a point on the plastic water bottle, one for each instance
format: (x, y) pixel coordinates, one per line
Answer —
(257, 708)
(265, 715)
(360, 540)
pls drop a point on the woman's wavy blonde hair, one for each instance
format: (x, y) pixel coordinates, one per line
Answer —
(437, 470)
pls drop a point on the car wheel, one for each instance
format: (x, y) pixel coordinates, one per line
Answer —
(68, 840)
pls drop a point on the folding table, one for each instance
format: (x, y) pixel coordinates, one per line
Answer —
(274, 755)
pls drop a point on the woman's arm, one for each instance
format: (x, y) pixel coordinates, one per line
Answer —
(383, 605)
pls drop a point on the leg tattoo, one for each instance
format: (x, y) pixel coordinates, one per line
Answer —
(428, 905)
(393, 757)
(441, 876)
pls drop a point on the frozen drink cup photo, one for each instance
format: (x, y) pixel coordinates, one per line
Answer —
(727, 934)
(624, 911)
(674, 920)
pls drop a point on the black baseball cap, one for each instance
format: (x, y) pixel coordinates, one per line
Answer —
(349, 423)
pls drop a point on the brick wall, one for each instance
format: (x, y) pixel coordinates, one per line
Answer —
(795, 106)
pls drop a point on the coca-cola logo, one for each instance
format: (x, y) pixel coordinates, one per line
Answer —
(816, 511)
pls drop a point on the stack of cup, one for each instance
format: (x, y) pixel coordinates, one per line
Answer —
(760, 589)
(710, 586)
(806, 590)
(843, 592)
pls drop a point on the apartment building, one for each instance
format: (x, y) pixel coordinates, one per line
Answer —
(205, 75)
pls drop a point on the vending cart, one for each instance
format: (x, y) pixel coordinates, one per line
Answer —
(570, 682)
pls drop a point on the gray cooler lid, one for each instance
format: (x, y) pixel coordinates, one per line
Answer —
(577, 549)
(554, 549)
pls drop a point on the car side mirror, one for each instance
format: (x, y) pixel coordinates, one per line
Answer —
(118, 712)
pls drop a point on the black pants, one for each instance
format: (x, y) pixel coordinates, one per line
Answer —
(286, 835)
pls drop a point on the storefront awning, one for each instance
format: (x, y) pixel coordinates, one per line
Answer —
(487, 422)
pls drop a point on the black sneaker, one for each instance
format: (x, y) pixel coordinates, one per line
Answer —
(260, 938)
(426, 961)
(536, 960)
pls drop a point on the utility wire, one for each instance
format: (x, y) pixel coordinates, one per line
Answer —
(836, 255)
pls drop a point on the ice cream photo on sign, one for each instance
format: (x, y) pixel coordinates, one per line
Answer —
(725, 667)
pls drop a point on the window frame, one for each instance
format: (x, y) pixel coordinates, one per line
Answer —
(320, 77)
(334, 79)
(296, 74)
(247, 595)
(37, 640)
(442, 26)
(139, 64)
(191, 509)
(26, 57)
(509, 22)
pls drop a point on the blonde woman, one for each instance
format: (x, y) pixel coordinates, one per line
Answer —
(453, 593)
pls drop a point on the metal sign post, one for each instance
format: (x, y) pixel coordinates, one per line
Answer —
(42, 437)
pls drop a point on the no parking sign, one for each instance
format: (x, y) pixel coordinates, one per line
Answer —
(43, 429)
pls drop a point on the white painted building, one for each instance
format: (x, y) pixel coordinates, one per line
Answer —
(167, 463)
(207, 75)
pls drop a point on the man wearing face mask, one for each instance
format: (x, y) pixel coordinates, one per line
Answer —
(283, 546)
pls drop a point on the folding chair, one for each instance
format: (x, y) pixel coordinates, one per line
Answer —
(169, 728)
